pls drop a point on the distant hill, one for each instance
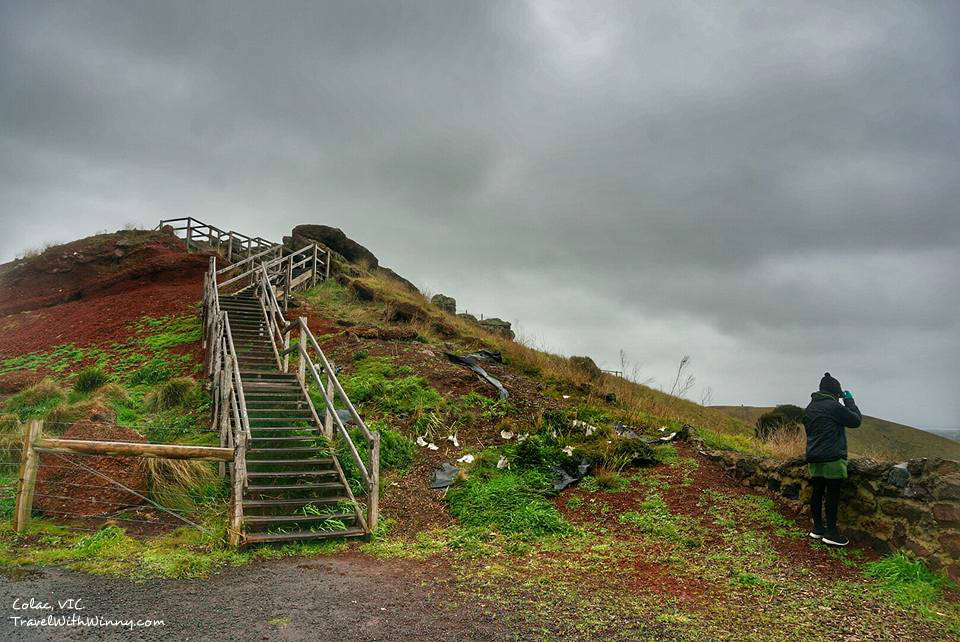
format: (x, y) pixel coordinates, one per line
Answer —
(875, 437)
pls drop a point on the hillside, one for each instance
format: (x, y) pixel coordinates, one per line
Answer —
(876, 437)
(650, 540)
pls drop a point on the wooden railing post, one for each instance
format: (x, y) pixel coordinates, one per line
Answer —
(189, 232)
(328, 417)
(27, 481)
(302, 365)
(373, 493)
(239, 472)
(286, 348)
(230, 248)
(289, 286)
(326, 264)
(313, 277)
(226, 387)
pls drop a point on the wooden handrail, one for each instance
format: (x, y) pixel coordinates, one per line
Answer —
(133, 449)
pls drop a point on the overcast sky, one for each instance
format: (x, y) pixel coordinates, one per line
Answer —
(769, 187)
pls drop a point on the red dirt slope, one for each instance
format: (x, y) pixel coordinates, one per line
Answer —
(96, 266)
(89, 291)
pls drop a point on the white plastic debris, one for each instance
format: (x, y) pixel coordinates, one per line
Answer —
(503, 463)
(569, 451)
(466, 459)
(421, 441)
(566, 396)
(433, 446)
(522, 438)
(454, 440)
(553, 433)
(506, 434)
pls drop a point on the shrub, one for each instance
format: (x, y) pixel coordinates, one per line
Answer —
(513, 501)
(175, 393)
(90, 379)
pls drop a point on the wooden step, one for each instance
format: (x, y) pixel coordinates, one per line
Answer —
(269, 519)
(284, 474)
(260, 538)
(325, 461)
(282, 450)
(286, 487)
(304, 501)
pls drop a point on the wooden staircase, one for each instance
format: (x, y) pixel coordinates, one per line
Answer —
(286, 481)
(296, 488)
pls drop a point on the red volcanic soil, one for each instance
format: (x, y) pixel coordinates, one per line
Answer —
(89, 291)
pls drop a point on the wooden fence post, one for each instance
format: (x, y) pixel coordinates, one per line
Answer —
(326, 264)
(230, 247)
(29, 462)
(313, 277)
(189, 232)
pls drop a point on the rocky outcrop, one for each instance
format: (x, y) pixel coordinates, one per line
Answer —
(498, 326)
(914, 505)
(345, 250)
(587, 365)
(445, 303)
(336, 240)
(466, 316)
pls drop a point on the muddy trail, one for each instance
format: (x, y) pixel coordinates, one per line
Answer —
(344, 597)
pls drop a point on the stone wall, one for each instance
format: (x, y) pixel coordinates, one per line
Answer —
(914, 505)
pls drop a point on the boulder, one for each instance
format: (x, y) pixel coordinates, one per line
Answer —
(336, 240)
(445, 303)
(66, 489)
(466, 316)
(404, 312)
(498, 326)
(362, 291)
(587, 365)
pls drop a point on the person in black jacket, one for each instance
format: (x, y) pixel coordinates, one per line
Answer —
(825, 421)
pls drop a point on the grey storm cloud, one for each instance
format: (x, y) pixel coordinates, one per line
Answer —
(770, 187)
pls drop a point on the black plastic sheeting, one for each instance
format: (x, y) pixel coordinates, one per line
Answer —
(444, 476)
(564, 479)
(473, 360)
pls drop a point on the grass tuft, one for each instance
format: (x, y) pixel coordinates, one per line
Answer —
(90, 379)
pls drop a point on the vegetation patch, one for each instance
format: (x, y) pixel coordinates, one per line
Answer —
(512, 501)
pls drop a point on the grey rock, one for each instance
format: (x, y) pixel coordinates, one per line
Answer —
(445, 303)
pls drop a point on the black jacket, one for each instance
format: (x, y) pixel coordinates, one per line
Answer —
(826, 421)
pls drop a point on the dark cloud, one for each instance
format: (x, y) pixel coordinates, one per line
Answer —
(770, 187)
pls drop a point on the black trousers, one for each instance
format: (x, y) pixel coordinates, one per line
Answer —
(828, 489)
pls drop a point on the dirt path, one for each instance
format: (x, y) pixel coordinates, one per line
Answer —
(346, 597)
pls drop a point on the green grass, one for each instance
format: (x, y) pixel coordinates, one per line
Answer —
(654, 518)
(36, 401)
(909, 582)
(90, 379)
(511, 501)
(377, 383)
(169, 332)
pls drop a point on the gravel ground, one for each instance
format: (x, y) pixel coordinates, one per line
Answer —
(347, 597)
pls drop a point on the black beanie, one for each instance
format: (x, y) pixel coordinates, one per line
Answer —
(831, 385)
